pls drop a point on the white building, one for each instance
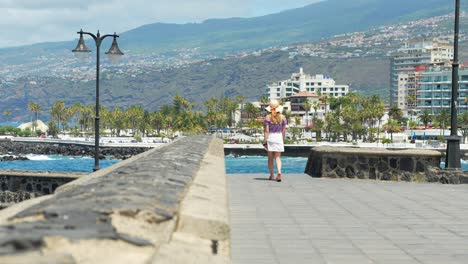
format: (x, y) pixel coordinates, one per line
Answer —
(301, 82)
(414, 53)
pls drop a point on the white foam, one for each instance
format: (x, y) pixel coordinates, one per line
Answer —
(38, 157)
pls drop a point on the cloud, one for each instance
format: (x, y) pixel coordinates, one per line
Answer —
(30, 21)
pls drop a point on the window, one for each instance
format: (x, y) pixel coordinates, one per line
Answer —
(324, 89)
(343, 89)
(278, 89)
(278, 95)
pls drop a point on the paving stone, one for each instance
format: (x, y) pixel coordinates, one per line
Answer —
(352, 221)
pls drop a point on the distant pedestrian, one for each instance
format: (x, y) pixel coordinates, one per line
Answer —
(274, 133)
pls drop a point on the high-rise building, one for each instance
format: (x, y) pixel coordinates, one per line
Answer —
(435, 90)
(301, 82)
(415, 53)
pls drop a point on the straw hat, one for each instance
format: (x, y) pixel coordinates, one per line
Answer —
(275, 104)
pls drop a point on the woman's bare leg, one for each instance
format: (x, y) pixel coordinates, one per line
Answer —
(270, 164)
(278, 164)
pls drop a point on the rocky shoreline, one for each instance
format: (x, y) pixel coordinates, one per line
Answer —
(12, 148)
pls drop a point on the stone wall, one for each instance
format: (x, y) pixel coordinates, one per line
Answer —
(167, 205)
(17, 186)
(373, 163)
(23, 148)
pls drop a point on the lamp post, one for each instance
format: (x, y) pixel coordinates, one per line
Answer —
(114, 53)
(452, 160)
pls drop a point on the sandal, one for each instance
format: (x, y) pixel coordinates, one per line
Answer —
(278, 178)
(272, 178)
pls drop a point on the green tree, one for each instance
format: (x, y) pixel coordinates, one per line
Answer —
(425, 117)
(393, 126)
(462, 121)
(240, 100)
(444, 119)
(307, 107)
(35, 108)
(58, 114)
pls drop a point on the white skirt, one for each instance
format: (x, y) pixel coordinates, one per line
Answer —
(275, 142)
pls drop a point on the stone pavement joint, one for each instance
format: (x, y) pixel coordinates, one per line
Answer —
(317, 220)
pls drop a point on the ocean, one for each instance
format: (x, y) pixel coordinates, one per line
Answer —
(234, 165)
(56, 163)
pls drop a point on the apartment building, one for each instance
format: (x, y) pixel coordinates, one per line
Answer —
(301, 82)
(415, 53)
(408, 83)
(435, 90)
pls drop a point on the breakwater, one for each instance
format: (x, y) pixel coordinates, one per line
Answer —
(8, 147)
(304, 150)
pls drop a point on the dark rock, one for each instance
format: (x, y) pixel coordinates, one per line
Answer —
(386, 176)
(342, 162)
(393, 163)
(332, 163)
(420, 167)
(382, 166)
(407, 164)
(350, 173)
(340, 172)
(406, 176)
(351, 160)
(373, 161)
(360, 175)
(372, 174)
(363, 166)
(363, 160)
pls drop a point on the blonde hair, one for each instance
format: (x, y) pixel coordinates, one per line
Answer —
(275, 117)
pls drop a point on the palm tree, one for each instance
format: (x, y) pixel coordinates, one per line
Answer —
(57, 111)
(425, 117)
(307, 106)
(240, 100)
(463, 122)
(393, 126)
(395, 113)
(251, 110)
(35, 108)
(443, 118)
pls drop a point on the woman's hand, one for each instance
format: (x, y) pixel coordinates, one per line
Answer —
(265, 146)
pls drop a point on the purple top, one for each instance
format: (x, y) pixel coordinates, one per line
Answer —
(275, 128)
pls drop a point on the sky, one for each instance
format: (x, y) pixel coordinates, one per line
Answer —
(24, 22)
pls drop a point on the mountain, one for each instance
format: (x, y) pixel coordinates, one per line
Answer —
(151, 85)
(220, 36)
(246, 76)
(312, 22)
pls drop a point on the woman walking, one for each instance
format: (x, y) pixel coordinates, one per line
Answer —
(274, 133)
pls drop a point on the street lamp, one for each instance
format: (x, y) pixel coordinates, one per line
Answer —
(452, 159)
(114, 54)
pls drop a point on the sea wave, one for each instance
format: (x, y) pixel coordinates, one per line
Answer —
(38, 157)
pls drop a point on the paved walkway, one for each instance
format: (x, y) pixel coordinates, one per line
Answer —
(307, 220)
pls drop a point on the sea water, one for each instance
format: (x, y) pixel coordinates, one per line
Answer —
(56, 163)
(259, 164)
(234, 165)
